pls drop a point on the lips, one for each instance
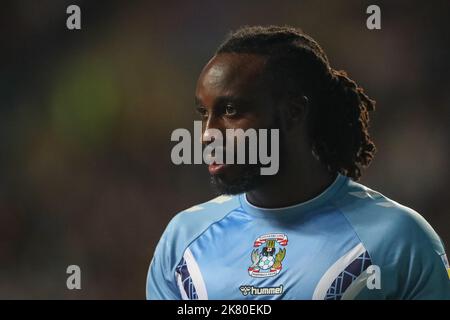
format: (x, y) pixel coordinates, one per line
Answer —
(215, 168)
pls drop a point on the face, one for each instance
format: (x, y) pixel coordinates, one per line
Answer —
(232, 93)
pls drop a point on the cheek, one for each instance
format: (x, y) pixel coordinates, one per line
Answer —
(244, 125)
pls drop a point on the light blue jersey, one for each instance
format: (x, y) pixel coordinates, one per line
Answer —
(350, 242)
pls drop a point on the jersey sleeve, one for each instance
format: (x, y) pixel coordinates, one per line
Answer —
(412, 261)
(402, 245)
(426, 269)
(161, 281)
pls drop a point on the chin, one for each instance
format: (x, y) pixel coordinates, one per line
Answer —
(238, 182)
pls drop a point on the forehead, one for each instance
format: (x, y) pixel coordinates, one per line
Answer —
(231, 74)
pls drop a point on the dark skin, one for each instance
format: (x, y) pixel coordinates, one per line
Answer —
(232, 92)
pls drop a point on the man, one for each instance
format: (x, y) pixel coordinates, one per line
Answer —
(310, 231)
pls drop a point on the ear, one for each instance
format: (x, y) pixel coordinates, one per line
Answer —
(296, 111)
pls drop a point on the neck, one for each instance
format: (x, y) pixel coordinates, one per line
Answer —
(298, 182)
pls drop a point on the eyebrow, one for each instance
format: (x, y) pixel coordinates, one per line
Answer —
(221, 100)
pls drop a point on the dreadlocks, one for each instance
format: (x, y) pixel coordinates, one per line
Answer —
(338, 113)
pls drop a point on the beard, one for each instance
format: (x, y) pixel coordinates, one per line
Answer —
(247, 179)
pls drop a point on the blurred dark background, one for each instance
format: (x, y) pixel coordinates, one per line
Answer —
(86, 117)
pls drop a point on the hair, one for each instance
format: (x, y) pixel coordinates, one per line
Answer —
(338, 109)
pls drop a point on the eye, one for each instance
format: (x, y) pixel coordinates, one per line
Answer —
(230, 110)
(202, 112)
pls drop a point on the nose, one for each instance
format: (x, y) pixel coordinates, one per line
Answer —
(209, 130)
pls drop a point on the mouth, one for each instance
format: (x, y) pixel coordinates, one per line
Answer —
(215, 168)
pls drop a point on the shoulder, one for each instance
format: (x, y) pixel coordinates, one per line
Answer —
(384, 225)
(181, 231)
(189, 224)
(199, 217)
(407, 250)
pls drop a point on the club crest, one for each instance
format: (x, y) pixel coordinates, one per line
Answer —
(267, 255)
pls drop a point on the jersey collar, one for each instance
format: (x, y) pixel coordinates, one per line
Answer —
(298, 208)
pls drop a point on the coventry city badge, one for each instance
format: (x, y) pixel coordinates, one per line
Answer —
(266, 261)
